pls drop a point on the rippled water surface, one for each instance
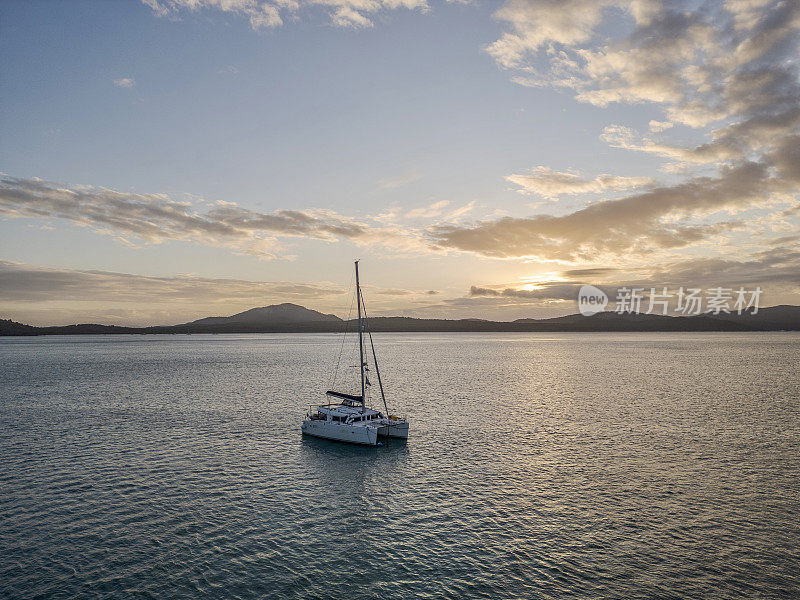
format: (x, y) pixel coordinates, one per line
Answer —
(540, 466)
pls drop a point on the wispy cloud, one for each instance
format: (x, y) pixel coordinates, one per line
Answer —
(427, 212)
(155, 218)
(399, 181)
(684, 57)
(660, 218)
(271, 13)
(25, 283)
(659, 126)
(552, 184)
(125, 82)
(259, 13)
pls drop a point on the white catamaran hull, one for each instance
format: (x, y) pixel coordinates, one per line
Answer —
(395, 430)
(340, 432)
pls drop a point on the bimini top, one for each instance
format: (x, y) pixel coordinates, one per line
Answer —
(343, 396)
(349, 413)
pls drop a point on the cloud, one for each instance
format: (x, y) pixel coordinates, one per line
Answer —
(619, 136)
(427, 212)
(679, 55)
(461, 211)
(659, 218)
(125, 82)
(536, 24)
(551, 184)
(777, 267)
(729, 69)
(155, 218)
(398, 181)
(347, 16)
(271, 13)
(776, 271)
(659, 126)
(784, 239)
(729, 144)
(26, 283)
(553, 291)
(259, 13)
(393, 292)
(584, 274)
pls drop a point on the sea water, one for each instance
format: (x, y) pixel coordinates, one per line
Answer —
(619, 465)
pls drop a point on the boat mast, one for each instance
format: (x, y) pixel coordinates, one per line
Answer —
(360, 340)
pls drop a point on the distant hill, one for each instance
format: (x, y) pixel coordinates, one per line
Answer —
(291, 318)
(276, 314)
(9, 327)
(613, 321)
(772, 318)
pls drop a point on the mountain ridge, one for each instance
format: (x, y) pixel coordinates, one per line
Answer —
(285, 312)
(293, 318)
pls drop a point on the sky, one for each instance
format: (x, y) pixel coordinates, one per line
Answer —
(167, 160)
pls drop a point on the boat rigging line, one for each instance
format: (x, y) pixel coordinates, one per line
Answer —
(332, 385)
(374, 356)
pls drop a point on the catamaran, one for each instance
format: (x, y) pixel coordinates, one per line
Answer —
(346, 417)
